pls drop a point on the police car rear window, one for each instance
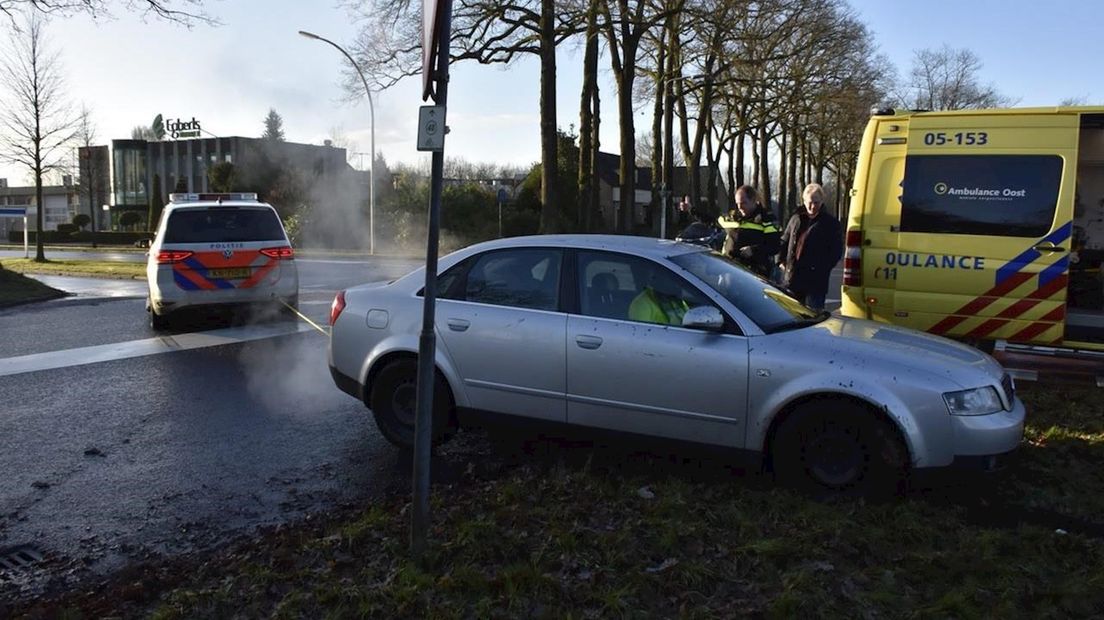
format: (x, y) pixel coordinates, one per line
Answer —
(995, 195)
(223, 224)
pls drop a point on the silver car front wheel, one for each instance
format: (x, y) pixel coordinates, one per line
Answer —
(838, 447)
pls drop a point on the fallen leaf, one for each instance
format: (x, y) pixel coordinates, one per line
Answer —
(668, 563)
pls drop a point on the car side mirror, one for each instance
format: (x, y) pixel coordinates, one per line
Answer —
(703, 317)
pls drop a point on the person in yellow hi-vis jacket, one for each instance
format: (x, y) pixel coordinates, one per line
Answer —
(652, 306)
(753, 236)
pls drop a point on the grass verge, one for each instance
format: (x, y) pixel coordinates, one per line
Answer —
(604, 532)
(79, 268)
(18, 289)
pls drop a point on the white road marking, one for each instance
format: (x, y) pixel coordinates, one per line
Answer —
(53, 360)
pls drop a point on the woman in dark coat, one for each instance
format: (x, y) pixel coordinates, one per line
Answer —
(812, 244)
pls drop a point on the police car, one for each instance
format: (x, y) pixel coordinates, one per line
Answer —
(219, 250)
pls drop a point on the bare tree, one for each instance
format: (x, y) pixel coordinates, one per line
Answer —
(89, 174)
(184, 12)
(948, 79)
(36, 122)
(625, 24)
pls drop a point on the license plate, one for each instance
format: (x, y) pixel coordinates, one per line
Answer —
(229, 274)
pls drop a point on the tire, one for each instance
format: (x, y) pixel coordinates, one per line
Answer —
(392, 401)
(834, 447)
(158, 322)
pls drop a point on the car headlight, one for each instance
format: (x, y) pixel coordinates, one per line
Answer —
(978, 401)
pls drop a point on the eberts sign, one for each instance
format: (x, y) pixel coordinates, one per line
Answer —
(182, 129)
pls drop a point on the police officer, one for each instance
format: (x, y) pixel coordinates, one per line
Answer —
(753, 236)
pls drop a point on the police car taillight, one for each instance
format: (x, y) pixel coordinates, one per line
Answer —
(173, 256)
(281, 253)
(337, 306)
(852, 259)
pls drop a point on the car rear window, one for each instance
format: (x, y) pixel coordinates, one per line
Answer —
(223, 224)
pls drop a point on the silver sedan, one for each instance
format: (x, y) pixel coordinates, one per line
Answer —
(667, 339)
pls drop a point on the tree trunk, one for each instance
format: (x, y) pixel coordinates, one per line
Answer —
(669, 121)
(764, 163)
(549, 160)
(741, 136)
(756, 172)
(656, 205)
(627, 169)
(711, 159)
(731, 176)
(794, 192)
(783, 174)
(596, 143)
(40, 250)
(586, 120)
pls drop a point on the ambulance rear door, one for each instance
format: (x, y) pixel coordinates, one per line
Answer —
(983, 240)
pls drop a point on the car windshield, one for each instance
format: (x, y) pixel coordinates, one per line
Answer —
(696, 230)
(223, 224)
(770, 308)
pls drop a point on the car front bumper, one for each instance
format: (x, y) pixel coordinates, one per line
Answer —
(993, 434)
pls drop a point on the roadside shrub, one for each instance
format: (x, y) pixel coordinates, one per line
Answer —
(67, 229)
(81, 220)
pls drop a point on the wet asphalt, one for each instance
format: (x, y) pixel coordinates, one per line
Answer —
(110, 463)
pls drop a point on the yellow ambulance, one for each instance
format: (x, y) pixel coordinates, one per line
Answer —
(981, 225)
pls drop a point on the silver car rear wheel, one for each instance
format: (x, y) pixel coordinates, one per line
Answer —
(393, 401)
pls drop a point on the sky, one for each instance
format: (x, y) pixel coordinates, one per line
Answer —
(126, 71)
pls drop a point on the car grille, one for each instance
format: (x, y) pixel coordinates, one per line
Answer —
(1009, 388)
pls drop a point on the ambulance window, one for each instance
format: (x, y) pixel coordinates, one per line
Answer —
(1002, 195)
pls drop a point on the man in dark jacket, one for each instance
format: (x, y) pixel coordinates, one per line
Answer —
(812, 244)
(753, 236)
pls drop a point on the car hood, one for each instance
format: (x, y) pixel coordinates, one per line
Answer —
(870, 347)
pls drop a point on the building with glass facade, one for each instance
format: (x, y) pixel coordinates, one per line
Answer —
(136, 170)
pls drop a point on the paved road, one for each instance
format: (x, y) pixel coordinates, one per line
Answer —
(119, 442)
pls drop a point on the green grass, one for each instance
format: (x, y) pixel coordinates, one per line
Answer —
(17, 289)
(552, 537)
(80, 268)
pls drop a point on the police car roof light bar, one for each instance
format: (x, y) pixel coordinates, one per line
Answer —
(217, 197)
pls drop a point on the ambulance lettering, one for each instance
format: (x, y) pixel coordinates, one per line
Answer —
(934, 261)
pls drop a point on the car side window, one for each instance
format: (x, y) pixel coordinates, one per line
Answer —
(619, 286)
(448, 282)
(522, 278)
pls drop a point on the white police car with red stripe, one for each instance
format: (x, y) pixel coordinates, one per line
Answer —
(215, 250)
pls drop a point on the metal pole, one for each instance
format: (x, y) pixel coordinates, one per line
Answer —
(427, 344)
(663, 211)
(372, 118)
(26, 238)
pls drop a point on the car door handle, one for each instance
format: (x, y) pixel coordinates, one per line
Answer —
(588, 342)
(1049, 248)
(459, 325)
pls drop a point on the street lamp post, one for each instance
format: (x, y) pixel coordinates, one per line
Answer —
(372, 164)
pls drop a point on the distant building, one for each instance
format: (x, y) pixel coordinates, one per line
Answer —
(609, 193)
(129, 170)
(60, 200)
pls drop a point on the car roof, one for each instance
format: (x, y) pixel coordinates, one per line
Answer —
(213, 203)
(643, 246)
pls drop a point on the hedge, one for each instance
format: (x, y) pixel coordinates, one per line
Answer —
(84, 236)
